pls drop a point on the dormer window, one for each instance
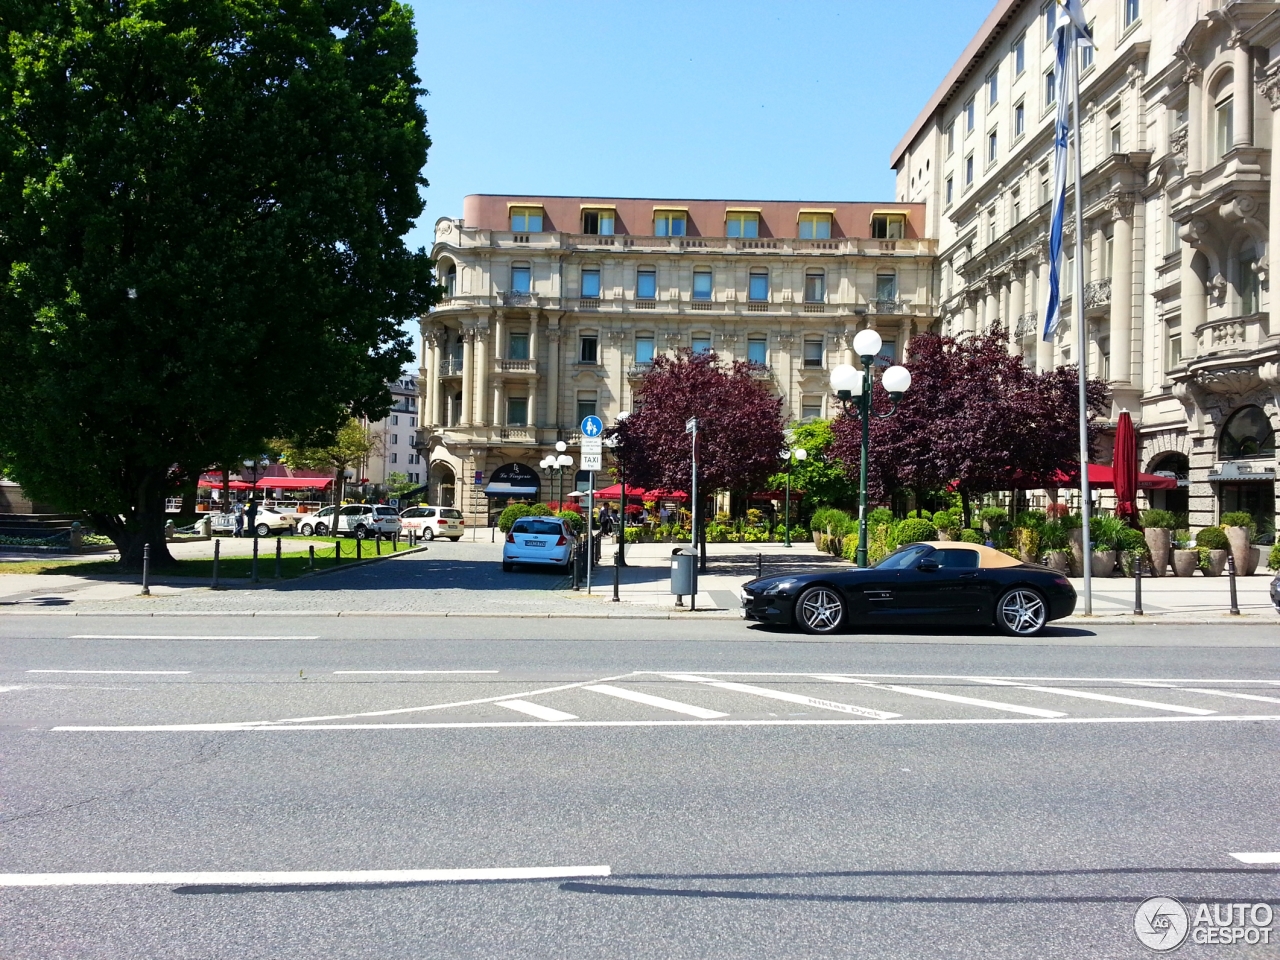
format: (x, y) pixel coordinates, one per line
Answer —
(598, 222)
(815, 225)
(526, 219)
(742, 223)
(886, 225)
(669, 223)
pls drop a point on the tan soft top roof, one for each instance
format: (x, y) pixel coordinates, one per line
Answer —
(987, 556)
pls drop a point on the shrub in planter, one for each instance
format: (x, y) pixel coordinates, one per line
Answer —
(1240, 530)
(1185, 562)
(1133, 549)
(1105, 531)
(511, 514)
(1026, 541)
(1273, 558)
(916, 531)
(1213, 538)
(539, 510)
(1158, 518)
(574, 520)
(971, 536)
(1034, 519)
(634, 534)
(850, 551)
(947, 524)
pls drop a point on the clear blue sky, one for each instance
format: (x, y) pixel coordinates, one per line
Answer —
(792, 99)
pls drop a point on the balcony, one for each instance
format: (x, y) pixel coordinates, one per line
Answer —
(588, 303)
(513, 299)
(815, 308)
(451, 367)
(1027, 325)
(646, 304)
(638, 370)
(1232, 335)
(1097, 297)
(888, 305)
(521, 434)
(514, 366)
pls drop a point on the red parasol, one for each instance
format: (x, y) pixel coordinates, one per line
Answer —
(1125, 469)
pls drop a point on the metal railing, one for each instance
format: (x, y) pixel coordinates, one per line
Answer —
(450, 366)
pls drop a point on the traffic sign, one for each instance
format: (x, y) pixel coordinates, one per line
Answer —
(592, 445)
(592, 461)
(592, 426)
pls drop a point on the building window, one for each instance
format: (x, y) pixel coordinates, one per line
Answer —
(1019, 120)
(992, 147)
(1050, 89)
(1132, 10)
(702, 284)
(1016, 206)
(1050, 13)
(951, 138)
(395, 420)
(813, 352)
(991, 226)
(739, 223)
(969, 116)
(757, 349)
(586, 404)
(968, 170)
(815, 286)
(519, 279)
(701, 343)
(993, 87)
(597, 222)
(644, 349)
(888, 226)
(1248, 433)
(1020, 55)
(1222, 127)
(517, 411)
(1045, 187)
(646, 283)
(668, 223)
(1086, 53)
(811, 407)
(1115, 133)
(887, 286)
(526, 219)
(758, 285)
(393, 458)
(518, 345)
(951, 190)
(451, 281)
(588, 349)
(395, 438)
(815, 226)
(1249, 285)
(591, 283)
(1106, 262)
(413, 421)
(1173, 346)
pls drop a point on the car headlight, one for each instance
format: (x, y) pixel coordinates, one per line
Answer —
(780, 587)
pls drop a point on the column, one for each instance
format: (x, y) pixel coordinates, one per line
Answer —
(553, 374)
(1044, 351)
(991, 316)
(1017, 305)
(499, 408)
(468, 379)
(499, 342)
(448, 410)
(970, 315)
(905, 330)
(1242, 95)
(1004, 295)
(479, 413)
(1122, 292)
(1195, 121)
(1193, 305)
(430, 380)
(1271, 89)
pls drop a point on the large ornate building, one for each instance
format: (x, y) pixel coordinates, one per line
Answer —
(555, 306)
(1178, 136)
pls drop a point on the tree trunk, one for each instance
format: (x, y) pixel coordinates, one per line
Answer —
(144, 526)
(964, 505)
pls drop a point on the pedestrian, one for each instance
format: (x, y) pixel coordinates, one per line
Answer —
(251, 517)
(239, 519)
(664, 515)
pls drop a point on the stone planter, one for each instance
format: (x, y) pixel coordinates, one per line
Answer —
(1104, 563)
(817, 539)
(1242, 551)
(1059, 560)
(1254, 561)
(1185, 562)
(945, 535)
(1217, 563)
(1076, 540)
(1158, 543)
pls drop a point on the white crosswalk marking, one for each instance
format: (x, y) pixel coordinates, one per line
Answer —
(536, 710)
(1104, 697)
(1258, 858)
(1212, 693)
(662, 703)
(949, 697)
(786, 697)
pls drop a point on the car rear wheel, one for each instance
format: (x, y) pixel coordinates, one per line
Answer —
(455, 539)
(507, 567)
(1021, 612)
(321, 529)
(361, 531)
(820, 610)
(263, 530)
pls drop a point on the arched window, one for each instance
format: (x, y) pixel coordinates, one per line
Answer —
(451, 281)
(1248, 284)
(1247, 433)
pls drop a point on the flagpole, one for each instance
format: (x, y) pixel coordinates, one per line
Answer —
(1082, 337)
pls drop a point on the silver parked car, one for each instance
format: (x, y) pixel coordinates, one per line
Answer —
(318, 523)
(361, 520)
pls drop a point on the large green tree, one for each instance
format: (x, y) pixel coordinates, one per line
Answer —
(202, 206)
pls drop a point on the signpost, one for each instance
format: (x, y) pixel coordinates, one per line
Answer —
(691, 428)
(592, 456)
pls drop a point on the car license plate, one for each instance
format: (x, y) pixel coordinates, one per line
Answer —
(535, 543)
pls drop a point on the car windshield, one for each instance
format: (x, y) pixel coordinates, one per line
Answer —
(410, 513)
(537, 527)
(386, 511)
(451, 514)
(903, 557)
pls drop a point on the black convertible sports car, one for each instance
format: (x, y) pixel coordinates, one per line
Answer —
(941, 583)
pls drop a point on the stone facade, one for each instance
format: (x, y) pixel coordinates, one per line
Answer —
(1178, 134)
(395, 438)
(556, 306)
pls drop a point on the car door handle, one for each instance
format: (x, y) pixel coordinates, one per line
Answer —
(968, 576)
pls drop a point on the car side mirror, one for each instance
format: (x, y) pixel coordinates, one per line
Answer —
(927, 565)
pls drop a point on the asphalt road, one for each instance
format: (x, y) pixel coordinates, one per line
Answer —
(751, 794)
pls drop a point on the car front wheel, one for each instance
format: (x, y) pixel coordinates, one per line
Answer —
(305, 529)
(1021, 612)
(820, 610)
(428, 533)
(263, 530)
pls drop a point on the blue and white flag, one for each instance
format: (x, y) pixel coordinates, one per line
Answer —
(1061, 137)
(1075, 18)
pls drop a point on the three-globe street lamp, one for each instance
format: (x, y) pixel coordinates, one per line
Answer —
(790, 455)
(852, 388)
(558, 464)
(257, 469)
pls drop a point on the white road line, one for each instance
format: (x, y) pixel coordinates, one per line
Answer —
(960, 676)
(537, 710)
(172, 636)
(949, 697)
(140, 673)
(9, 689)
(1104, 697)
(662, 703)
(279, 877)
(1258, 858)
(339, 673)
(773, 722)
(787, 697)
(1212, 693)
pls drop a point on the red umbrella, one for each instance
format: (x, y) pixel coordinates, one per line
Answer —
(1125, 468)
(615, 492)
(1102, 477)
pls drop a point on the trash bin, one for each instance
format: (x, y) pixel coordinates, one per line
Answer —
(683, 566)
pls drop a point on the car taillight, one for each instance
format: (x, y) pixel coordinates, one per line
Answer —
(562, 541)
(511, 538)
(442, 521)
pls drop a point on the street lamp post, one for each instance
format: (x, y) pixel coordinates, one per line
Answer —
(852, 388)
(612, 443)
(790, 455)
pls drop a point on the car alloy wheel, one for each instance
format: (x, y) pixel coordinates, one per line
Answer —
(263, 530)
(1022, 612)
(428, 533)
(820, 610)
(321, 529)
(305, 529)
(361, 532)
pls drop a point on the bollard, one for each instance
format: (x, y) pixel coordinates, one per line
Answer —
(411, 539)
(759, 565)
(146, 569)
(573, 564)
(253, 570)
(311, 556)
(493, 532)
(1137, 587)
(617, 573)
(359, 540)
(337, 550)
(277, 558)
(377, 544)
(1231, 576)
(217, 550)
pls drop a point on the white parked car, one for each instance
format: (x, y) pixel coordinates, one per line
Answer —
(267, 521)
(316, 524)
(361, 520)
(427, 523)
(538, 540)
